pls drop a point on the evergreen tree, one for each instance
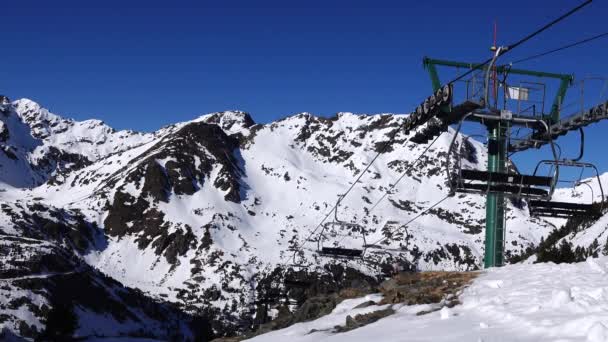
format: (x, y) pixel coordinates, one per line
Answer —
(605, 249)
(60, 323)
(565, 253)
(595, 246)
(579, 254)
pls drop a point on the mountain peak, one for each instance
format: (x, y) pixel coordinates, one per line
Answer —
(26, 103)
(4, 100)
(232, 121)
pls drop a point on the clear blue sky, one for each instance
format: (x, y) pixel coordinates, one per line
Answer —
(144, 64)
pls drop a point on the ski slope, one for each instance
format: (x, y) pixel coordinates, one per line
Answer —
(523, 302)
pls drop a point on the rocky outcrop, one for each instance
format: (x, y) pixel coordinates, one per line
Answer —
(424, 287)
(39, 221)
(362, 320)
(178, 165)
(47, 293)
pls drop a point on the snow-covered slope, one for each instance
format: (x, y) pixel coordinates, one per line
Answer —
(16, 144)
(524, 302)
(587, 232)
(48, 294)
(206, 213)
(38, 145)
(91, 138)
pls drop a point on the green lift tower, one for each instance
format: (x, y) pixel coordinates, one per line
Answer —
(498, 136)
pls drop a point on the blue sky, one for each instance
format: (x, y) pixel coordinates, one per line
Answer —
(142, 65)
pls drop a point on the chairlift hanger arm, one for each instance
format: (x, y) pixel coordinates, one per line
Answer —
(581, 146)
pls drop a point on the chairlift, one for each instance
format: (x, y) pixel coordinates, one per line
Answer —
(292, 278)
(336, 226)
(299, 265)
(548, 208)
(509, 183)
(297, 283)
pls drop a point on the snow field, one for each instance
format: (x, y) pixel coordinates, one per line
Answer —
(525, 302)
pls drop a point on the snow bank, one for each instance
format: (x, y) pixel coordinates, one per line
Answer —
(534, 302)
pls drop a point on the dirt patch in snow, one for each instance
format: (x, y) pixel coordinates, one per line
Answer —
(425, 287)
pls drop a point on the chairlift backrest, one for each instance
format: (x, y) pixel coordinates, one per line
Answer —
(338, 225)
(567, 209)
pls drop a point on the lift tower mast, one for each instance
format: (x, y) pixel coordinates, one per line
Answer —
(497, 148)
(439, 111)
(498, 123)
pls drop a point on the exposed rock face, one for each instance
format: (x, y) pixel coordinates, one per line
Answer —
(322, 293)
(50, 294)
(42, 145)
(362, 320)
(425, 287)
(178, 165)
(65, 227)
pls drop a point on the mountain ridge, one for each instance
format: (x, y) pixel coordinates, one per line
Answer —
(207, 213)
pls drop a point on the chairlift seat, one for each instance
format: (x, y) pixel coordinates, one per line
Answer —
(341, 252)
(297, 283)
(266, 301)
(555, 213)
(524, 191)
(506, 178)
(341, 224)
(560, 209)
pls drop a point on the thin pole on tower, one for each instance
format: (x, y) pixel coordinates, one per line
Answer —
(494, 71)
(495, 202)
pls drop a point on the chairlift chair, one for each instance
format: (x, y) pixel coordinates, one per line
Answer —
(548, 208)
(511, 184)
(296, 283)
(299, 264)
(292, 280)
(338, 225)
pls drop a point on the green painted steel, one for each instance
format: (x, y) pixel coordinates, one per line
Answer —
(430, 61)
(495, 202)
(501, 69)
(497, 141)
(565, 79)
(430, 67)
(559, 99)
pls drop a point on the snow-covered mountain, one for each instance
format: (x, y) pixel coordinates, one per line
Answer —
(207, 213)
(49, 294)
(38, 144)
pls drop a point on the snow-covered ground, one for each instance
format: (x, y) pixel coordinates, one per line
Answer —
(524, 302)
